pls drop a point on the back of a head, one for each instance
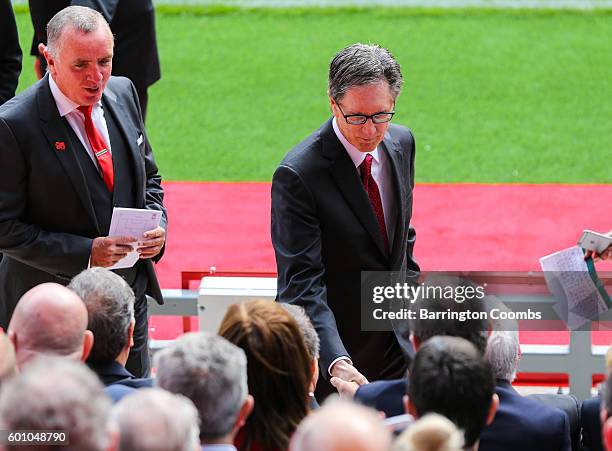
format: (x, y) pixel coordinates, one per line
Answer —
(455, 307)
(450, 377)
(212, 373)
(433, 432)
(311, 338)
(502, 353)
(279, 369)
(110, 307)
(152, 419)
(341, 426)
(55, 394)
(48, 319)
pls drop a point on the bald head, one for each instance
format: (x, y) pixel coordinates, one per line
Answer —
(341, 426)
(50, 319)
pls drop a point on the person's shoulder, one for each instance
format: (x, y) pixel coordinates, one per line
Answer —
(306, 156)
(525, 406)
(402, 135)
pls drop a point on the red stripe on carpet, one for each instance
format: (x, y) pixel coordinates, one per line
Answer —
(459, 226)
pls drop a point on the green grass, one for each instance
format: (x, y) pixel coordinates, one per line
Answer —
(510, 96)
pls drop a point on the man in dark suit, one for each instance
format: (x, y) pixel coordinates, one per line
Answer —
(590, 420)
(133, 24)
(72, 147)
(10, 53)
(341, 204)
(520, 422)
(110, 318)
(386, 396)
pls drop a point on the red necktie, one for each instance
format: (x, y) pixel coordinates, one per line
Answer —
(374, 194)
(99, 147)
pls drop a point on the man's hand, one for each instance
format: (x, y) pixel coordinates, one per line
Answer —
(347, 372)
(106, 250)
(346, 390)
(605, 255)
(152, 243)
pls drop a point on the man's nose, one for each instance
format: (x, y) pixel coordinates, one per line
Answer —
(369, 128)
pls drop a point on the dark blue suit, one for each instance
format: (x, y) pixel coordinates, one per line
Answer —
(115, 374)
(524, 424)
(591, 424)
(385, 396)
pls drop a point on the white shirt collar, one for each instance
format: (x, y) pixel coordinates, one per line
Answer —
(64, 104)
(356, 155)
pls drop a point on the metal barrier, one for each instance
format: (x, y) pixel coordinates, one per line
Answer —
(580, 360)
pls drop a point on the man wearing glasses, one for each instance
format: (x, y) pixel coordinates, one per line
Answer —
(341, 204)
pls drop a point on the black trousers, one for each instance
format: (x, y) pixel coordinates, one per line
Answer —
(139, 361)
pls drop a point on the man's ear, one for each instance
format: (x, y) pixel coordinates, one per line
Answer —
(492, 408)
(88, 341)
(131, 333)
(314, 370)
(245, 411)
(409, 406)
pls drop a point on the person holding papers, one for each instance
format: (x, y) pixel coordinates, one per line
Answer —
(604, 255)
(73, 147)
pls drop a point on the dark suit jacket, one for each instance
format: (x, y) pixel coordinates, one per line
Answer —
(131, 21)
(591, 424)
(113, 373)
(10, 52)
(325, 233)
(47, 218)
(524, 424)
(384, 396)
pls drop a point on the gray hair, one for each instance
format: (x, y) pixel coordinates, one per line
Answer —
(110, 308)
(210, 371)
(56, 394)
(81, 18)
(363, 64)
(502, 353)
(152, 419)
(311, 338)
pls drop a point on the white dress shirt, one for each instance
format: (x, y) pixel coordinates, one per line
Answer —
(382, 174)
(68, 109)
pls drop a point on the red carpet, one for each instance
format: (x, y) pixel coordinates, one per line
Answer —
(459, 227)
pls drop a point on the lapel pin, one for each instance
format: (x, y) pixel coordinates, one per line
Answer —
(60, 145)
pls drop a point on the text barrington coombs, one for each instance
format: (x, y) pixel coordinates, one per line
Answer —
(423, 292)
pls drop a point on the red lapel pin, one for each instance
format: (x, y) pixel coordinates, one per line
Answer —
(60, 145)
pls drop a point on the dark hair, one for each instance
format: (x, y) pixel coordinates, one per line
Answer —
(450, 377)
(278, 367)
(362, 64)
(473, 329)
(110, 310)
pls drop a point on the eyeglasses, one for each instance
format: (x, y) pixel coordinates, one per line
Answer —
(360, 119)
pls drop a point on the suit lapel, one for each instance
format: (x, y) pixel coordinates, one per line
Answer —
(395, 156)
(345, 175)
(54, 128)
(130, 132)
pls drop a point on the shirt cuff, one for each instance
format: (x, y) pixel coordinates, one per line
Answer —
(344, 357)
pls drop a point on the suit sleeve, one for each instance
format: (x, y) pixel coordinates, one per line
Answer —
(566, 443)
(296, 237)
(61, 254)
(411, 262)
(10, 52)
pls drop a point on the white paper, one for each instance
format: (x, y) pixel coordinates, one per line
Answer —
(568, 278)
(132, 222)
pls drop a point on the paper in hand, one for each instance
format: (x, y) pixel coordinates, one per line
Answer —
(132, 222)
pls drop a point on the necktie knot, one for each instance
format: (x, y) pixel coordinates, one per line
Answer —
(86, 110)
(366, 168)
